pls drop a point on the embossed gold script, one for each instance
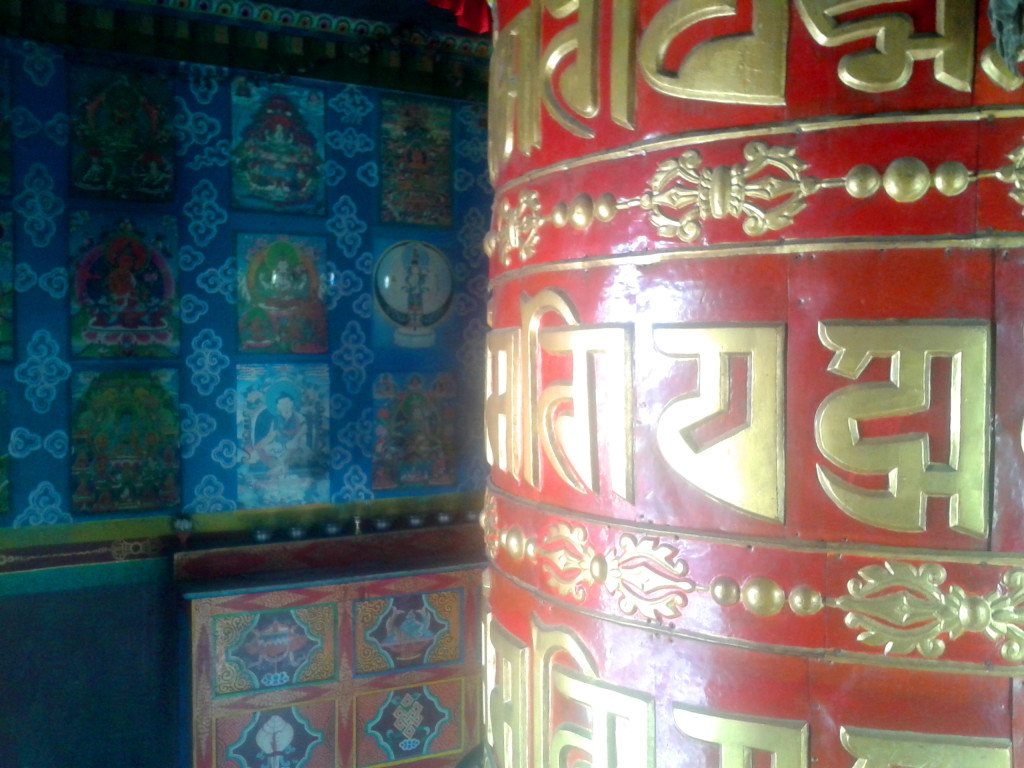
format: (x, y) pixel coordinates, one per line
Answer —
(577, 714)
(897, 45)
(911, 475)
(513, 109)
(889, 749)
(729, 465)
(505, 702)
(735, 69)
(566, 78)
(623, 721)
(562, 420)
(578, 81)
(501, 410)
(786, 740)
(721, 437)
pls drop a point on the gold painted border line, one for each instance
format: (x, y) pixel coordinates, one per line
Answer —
(983, 558)
(808, 125)
(990, 241)
(980, 669)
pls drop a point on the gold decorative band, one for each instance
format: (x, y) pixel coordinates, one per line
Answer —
(904, 608)
(679, 140)
(765, 190)
(991, 241)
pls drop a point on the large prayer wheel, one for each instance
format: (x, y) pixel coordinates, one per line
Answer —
(756, 385)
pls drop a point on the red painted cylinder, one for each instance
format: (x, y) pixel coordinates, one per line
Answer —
(754, 411)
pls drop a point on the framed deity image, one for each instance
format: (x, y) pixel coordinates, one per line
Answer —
(277, 147)
(124, 295)
(122, 134)
(283, 434)
(413, 289)
(415, 438)
(416, 162)
(124, 441)
(280, 290)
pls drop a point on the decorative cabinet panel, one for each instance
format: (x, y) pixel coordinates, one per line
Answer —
(337, 670)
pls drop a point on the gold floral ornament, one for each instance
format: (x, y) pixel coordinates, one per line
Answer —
(902, 609)
(518, 229)
(641, 572)
(1014, 174)
(682, 194)
(489, 522)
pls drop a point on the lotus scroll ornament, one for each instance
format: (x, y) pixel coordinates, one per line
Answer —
(682, 194)
(642, 573)
(903, 609)
(1013, 174)
(518, 228)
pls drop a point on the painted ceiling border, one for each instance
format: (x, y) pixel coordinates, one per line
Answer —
(306, 22)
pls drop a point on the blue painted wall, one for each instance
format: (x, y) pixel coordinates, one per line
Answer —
(47, 213)
(91, 665)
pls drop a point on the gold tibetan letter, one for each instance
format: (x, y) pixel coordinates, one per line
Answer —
(738, 736)
(577, 83)
(890, 64)
(501, 407)
(621, 721)
(747, 68)
(742, 461)
(506, 694)
(910, 474)
(894, 749)
(623, 63)
(564, 417)
(513, 112)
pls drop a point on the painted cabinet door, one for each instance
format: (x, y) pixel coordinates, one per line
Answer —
(358, 673)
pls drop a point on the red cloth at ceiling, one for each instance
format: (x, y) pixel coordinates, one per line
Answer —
(473, 15)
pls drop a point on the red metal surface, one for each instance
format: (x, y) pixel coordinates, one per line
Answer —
(875, 633)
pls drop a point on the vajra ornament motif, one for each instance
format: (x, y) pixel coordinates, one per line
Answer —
(903, 609)
(766, 192)
(694, 193)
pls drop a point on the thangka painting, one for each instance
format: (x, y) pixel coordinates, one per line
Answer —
(124, 299)
(277, 152)
(6, 286)
(124, 437)
(407, 631)
(416, 162)
(280, 310)
(413, 288)
(415, 443)
(283, 433)
(122, 134)
(6, 154)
